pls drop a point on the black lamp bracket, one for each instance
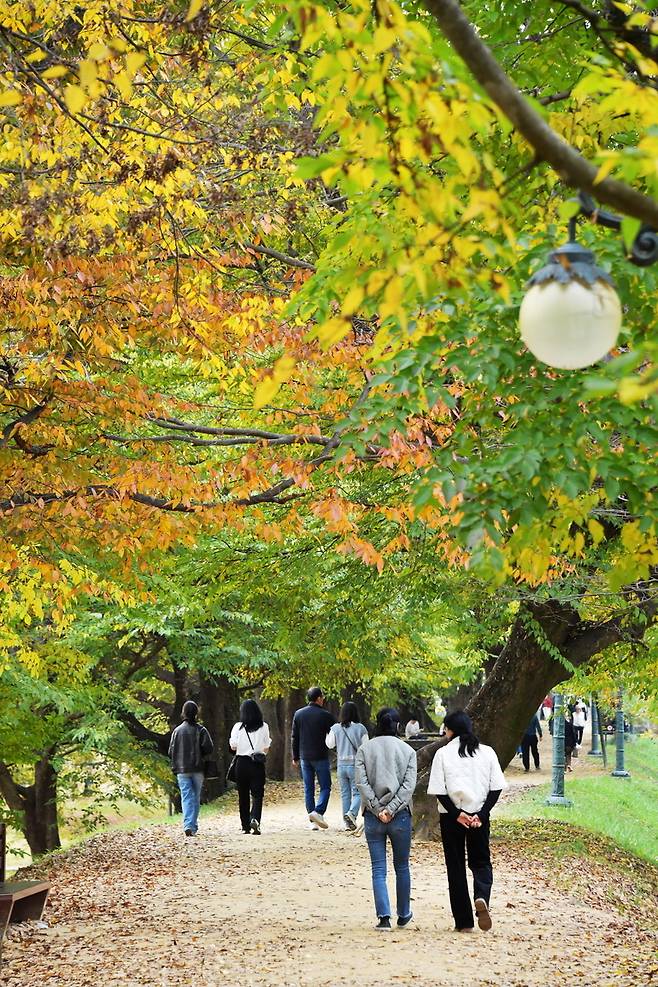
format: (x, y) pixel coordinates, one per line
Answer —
(644, 249)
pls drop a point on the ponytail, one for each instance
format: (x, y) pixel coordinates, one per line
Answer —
(461, 725)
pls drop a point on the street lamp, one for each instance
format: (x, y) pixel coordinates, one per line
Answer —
(557, 795)
(620, 769)
(595, 750)
(571, 315)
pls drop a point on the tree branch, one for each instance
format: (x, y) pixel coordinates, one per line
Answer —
(572, 167)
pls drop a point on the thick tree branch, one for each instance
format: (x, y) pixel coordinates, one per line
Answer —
(277, 255)
(573, 168)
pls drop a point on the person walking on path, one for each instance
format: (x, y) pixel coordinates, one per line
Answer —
(579, 719)
(310, 726)
(346, 738)
(385, 770)
(250, 739)
(467, 780)
(529, 743)
(189, 747)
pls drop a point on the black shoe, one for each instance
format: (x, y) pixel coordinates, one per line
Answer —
(189, 832)
(403, 922)
(255, 827)
(246, 832)
(384, 924)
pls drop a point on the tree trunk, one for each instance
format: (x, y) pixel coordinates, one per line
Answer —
(41, 825)
(220, 708)
(291, 702)
(37, 804)
(274, 716)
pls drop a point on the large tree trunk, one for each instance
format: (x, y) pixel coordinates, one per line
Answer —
(220, 707)
(41, 825)
(37, 804)
(291, 702)
(274, 716)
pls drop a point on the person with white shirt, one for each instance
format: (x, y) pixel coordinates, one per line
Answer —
(412, 729)
(467, 780)
(579, 719)
(250, 739)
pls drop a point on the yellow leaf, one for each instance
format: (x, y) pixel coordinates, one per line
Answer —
(75, 98)
(595, 530)
(54, 72)
(88, 72)
(195, 7)
(124, 84)
(98, 51)
(352, 300)
(10, 98)
(134, 61)
(271, 385)
(333, 330)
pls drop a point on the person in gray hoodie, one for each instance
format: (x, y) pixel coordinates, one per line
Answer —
(385, 774)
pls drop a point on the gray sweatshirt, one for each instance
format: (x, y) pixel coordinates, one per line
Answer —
(385, 774)
(346, 740)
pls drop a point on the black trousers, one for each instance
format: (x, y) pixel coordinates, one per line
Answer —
(578, 734)
(250, 782)
(529, 744)
(458, 843)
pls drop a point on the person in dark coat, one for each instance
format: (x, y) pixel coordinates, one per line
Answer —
(310, 726)
(189, 747)
(529, 743)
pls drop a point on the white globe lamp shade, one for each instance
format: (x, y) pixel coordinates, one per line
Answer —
(571, 315)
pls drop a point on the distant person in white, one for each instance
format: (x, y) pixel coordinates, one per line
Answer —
(467, 780)
(579, 719)
(412, 729)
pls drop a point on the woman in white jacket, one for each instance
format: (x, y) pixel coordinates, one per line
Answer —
(467, 780)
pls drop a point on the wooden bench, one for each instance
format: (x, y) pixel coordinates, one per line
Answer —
(19, 900)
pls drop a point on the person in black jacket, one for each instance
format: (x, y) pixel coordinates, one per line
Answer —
(529, 743)
(189, 747)
(310, 726)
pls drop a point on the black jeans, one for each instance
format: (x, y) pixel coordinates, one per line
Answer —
(529, 744)
(578, 734)
(250, 781)
(459, 841)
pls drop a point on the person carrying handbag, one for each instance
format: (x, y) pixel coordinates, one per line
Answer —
(250, 739)
(189, 749)
(347, 737)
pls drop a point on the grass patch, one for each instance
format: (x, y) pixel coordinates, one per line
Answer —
(624, 809)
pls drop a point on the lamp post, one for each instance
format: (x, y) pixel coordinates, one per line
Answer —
(557, 795)
(620, 770)
(571, 315)
(595, 750)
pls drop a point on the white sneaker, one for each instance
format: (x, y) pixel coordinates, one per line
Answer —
(315, 817)
(311, 825)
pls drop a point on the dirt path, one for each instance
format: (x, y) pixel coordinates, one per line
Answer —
(294, 907)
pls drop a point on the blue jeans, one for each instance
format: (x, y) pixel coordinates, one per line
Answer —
(190, 795)
(349, 793)
(398, 832)
(309, 771)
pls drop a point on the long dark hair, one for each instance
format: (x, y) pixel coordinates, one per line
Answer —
(462, 726)
(388, 720)
(251, 716)
(190, 711)
(349, 714)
